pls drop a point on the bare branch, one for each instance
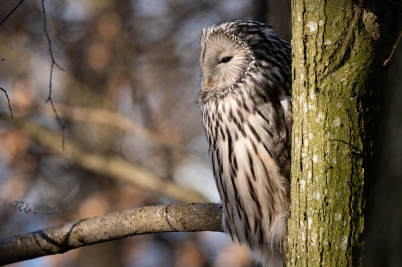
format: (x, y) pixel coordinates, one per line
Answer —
(118, 120)
(8, 99)
(48, 38)
(11, 12)
(49, 99)
(393, 50)
(111, 165)
(146, 220)
(102, 116)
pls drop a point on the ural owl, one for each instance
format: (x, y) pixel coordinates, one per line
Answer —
(246, 110)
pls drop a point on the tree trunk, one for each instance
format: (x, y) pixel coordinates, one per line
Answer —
(336, 70)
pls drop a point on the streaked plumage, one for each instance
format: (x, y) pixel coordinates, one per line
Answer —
(246, 111)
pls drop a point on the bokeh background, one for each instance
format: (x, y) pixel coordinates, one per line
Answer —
(129, 95)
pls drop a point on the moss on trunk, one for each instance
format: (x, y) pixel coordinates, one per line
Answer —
(334, 60)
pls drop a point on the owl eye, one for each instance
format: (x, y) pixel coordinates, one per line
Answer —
(226, 59)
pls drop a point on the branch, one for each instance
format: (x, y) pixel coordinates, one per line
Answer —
(8, 99)
(146, 220)
(49, 99)
(393, 50)
(114, 119)
(11, 12)
(111, 165)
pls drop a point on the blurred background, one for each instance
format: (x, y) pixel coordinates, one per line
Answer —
(128, 96)
(133, 136)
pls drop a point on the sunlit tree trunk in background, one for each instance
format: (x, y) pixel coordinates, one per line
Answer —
(338, 74)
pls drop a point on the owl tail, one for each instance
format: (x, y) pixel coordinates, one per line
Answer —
(268, 258)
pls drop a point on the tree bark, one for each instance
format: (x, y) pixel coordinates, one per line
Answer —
(146, 220)
(337, 71)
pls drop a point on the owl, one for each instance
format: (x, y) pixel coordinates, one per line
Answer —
(245, 101)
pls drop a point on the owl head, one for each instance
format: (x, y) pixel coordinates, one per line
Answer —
(235, 51)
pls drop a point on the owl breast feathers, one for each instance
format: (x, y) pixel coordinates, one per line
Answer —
(246, 110)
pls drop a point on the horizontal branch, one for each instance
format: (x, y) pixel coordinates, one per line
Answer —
(146, 220)
(111, 165)
(126, 124)
(114, 119)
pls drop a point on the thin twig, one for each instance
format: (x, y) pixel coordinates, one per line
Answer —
(393, 49)
(8, 99)
(11, 12)
(49, 99)
(355, 148)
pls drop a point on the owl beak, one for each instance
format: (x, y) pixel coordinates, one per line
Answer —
(208, 84)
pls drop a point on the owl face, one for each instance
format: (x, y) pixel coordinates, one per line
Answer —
(243, 56)
(224, 60)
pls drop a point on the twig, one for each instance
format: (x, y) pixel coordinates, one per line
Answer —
(8, 99)
(49, 99)
(11, 12)
(146, 220)
(355, 148)
(393, 49)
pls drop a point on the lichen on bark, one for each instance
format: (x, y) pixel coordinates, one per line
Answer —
(332, 54)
